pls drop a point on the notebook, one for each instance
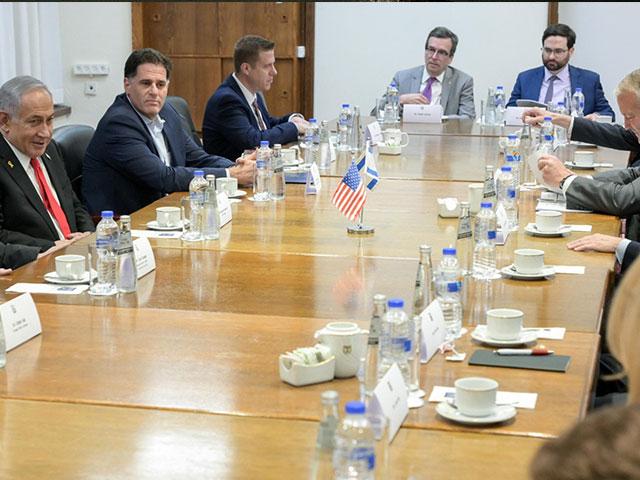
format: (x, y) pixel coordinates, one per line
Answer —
(552, 363)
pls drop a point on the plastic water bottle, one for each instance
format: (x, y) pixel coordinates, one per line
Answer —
(261, 173)
(560, 133)
(490, 109)
(484, 253)
(325, 441)
(311, 143)
(546, 144)
(354, 455)
(372, 357)
(464, 239)
(577, 103)
(324, 162)
(197, 186)
(278, 182)
(344, 128)
(211, 213)
(393, 99)
(448, 270)
(513, 149)
(500, 104)
(395, 336)
(355, 142)
(423, 295)
(507, 198)
(451, 311)
(106, 244)
(489, 190)
(546, 128)
(127, 273)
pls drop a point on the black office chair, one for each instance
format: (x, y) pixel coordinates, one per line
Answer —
(72, 141)
(182, 107)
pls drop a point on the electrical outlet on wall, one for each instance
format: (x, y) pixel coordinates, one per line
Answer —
(90, 88)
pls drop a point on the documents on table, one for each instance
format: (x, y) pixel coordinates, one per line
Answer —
(47, 288)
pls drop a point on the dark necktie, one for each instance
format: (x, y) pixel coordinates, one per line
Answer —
(549, 96)
(261, 123)
(49, 200)
(427, 89)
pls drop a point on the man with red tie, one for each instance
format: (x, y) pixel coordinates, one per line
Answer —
(37, 204)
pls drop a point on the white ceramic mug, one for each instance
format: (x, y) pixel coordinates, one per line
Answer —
(70, 267)
(394, 137)
(347, 342)
(228, 185)
(168, 216)
(528, 261)
(475, 197)
(504, 323)
(548, 220)
(476, 396)
(583, 158)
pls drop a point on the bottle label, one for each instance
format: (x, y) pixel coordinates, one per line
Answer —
(364, 455)
(464, 228)
(489, 188)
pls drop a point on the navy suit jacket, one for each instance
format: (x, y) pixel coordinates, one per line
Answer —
(529, 82)
(24, 219)
(229, 125)
(122, 170)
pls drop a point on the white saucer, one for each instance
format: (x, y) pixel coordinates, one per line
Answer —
(52, 277)
(510, 271)
(500, 414)
(153, 225)
(561, 232)
(480, 334)
(238, 194)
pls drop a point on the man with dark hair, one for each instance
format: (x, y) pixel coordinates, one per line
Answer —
(437, 82)
(37, 205)
(547, 84)
(140, 151)
(236, 117)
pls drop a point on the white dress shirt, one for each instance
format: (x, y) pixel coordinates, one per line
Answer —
(155, 127)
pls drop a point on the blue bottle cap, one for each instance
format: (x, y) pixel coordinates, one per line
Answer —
(107, 214)
(449, 251)
(355, 407)
(511, 192)
(505, 169)
(561, 103)
(578, 89)
(345, 105)
(491, 234)
(264, 143)
(512, 136)
(452, 287)
(395, 303)
(486, 205)
(548, 138)
(313, 120)
(198, 173)
(510, 158)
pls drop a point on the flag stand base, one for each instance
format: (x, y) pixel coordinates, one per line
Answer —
(360, 230)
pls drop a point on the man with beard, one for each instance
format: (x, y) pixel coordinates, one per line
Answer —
(548, 83)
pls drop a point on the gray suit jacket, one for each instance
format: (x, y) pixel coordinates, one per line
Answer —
(457, 90)
(607, 135)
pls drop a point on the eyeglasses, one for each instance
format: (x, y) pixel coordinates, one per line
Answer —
(441, 53)
(556, 51)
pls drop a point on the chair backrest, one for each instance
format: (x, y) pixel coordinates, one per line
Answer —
(182, 107)
(72, 141)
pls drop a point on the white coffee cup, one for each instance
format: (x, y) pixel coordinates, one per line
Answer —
(475, 197)
(476, 396)
(70, 267)
(289, 155)
(394, 137)
(347, 342)
(604, 118)
(228, 185)
(583, 158)
(528, 261)
(548, 220)
(168, 216)
(504, 323)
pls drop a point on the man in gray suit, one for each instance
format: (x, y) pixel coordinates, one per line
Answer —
(436, 82)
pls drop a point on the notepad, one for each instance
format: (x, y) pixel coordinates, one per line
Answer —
(552, 363)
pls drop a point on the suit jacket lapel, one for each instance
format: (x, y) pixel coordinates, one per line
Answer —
(535, 85)
(262, 105)
(446, 88)
(66, 203)
(575, 79)
(233, 84)
(416, 79)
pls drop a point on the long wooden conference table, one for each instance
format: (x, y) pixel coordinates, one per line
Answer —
(180, 380)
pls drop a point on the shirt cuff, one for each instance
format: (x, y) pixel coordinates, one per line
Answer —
(226, 170)
(294, 115)
(621, 249)
(567, 183)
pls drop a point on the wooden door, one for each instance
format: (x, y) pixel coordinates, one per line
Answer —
(199, 38)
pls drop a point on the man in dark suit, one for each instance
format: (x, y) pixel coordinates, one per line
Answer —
(547, 84)
(37, 205)
(236, 117)
(140, 152)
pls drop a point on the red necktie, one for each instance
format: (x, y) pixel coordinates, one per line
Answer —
(49, 200)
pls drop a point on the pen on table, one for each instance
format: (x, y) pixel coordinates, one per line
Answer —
(523, 351)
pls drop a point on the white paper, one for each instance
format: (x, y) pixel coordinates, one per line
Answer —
(570, 269)
(155, 234)
(315, 175)
(501, 217)
(390, 399)
(47, 288)
(224, 209)
(548, 333)
(513, 115)
(515, 399)
(433, 331)
(145, 261)
(502, 237)
(374, 133)
(20, 320)
(581, 228)
(415, 113)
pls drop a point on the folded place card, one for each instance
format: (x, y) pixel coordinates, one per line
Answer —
(422, 113)
(552, 363)
(581, 228)
(390, 399)
(433, 331)
(155, 234)
(145, 261)
(224, 209)
(549, 333)
(515, 399)
(513, 115)
(570, 269)
(47, 288)
(19, 321)
(374, 133)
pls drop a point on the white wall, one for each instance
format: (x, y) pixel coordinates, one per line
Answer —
(93, 32)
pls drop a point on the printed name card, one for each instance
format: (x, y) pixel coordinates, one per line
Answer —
(433, 331)
(314, 184)
(513, 115)
(422, 113)
(374, 133)
(145, 261)
(20, 320)
(390, 399)
(224, 209)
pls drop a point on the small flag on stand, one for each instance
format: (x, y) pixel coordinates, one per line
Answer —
(350, 195)
(368, 162)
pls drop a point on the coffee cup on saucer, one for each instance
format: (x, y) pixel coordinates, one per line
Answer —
(476, 396)
(70, 267)
(548, 221)
(583, 158)
(394, 137)
(168, 216)
(504, 323)
(528, 261)
(228, 185)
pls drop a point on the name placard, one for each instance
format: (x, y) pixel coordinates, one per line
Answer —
(513, 115)
(416, 113)
(224, 209)
(374, 133)
(433, 331)
(314, 184)
(20, 320)
(145, 261)
(390, 399)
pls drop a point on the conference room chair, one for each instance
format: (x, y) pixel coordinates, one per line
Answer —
(182, 107)
(72, 141)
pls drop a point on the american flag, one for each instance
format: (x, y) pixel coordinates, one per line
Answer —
(350, 195)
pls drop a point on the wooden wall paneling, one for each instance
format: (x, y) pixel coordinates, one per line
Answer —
(307, 72)
(137, 25)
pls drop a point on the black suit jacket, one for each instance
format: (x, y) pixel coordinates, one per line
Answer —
(229, 125)
(14, 256)
(630, 254)
(24, 219)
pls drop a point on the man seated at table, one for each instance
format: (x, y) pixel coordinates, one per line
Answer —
(38, 207)
(547, 83)
(437, 82)
(236, 117)
(140, 152)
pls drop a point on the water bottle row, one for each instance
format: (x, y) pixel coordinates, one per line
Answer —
(349, 131)
(316, 146)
